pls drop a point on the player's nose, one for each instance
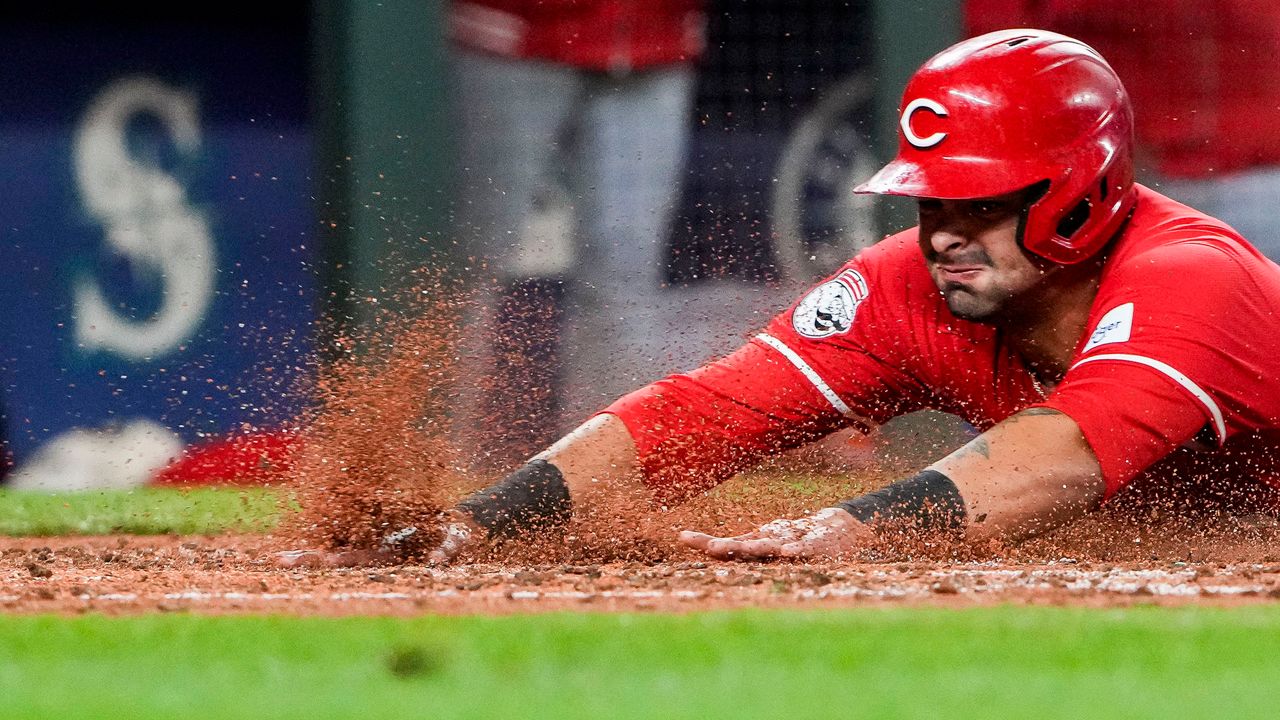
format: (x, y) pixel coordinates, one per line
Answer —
(946, 240)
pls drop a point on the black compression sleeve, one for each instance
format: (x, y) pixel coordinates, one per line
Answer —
(534, 497)
(930, 500)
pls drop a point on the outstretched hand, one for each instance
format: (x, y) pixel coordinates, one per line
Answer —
(828, 533)
(458, 536)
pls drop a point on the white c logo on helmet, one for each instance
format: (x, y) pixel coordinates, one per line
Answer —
(911, 136)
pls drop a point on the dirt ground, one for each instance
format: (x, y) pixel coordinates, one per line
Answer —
(236, 574)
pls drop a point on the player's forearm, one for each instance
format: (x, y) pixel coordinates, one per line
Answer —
(595, 466)
(1027, 475)
(1032, 504)
(599, 462)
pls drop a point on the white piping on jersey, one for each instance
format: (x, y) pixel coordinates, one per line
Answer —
(809, 373)
(1219, 425)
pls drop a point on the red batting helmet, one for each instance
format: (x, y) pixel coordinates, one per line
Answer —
(1011, 109)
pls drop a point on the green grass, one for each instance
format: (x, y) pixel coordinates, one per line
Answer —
(144, 511)
(909, 663)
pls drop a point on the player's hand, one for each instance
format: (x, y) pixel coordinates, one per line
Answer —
(459, 534)
(829, 533)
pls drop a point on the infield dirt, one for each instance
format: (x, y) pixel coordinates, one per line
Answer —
(237, 574)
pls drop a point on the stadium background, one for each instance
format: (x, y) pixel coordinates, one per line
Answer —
(189, 189)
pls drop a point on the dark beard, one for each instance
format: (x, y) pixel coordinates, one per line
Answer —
(965, 305)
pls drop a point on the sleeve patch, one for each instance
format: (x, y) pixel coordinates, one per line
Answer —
(1114, 327)
(829, 309)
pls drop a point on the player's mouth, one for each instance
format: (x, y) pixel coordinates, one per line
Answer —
(959, 274)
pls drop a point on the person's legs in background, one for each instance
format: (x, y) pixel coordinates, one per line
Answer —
(627, 175)
(626, 326)
(512, 115)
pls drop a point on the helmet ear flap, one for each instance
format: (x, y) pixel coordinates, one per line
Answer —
(1079, 215)
(1036, 192)
(1071, 223)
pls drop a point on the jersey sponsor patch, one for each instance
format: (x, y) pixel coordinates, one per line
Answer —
(1114, 327)
(829, 309)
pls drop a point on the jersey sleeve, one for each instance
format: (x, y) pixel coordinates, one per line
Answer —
(815, 368)
(1176, 355)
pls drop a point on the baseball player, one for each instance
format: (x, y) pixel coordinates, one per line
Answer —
(1109, 343)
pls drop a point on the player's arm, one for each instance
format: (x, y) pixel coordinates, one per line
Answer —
(684, 434)
(595, 465)
(672, 439)
(1030, 473)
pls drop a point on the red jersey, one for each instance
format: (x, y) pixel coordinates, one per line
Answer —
(604, 35)
(1175, 372)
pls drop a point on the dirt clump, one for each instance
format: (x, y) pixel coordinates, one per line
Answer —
(374, 469)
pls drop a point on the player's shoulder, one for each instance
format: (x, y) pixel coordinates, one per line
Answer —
(879, 287)
(890, 269)
(1166, 241)
(894, 258)
(893, 271)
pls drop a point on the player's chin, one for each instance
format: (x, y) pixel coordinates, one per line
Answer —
(968, 304)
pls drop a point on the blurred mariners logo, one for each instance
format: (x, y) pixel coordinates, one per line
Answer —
(817, 220)
(147, 218)
(829, 309)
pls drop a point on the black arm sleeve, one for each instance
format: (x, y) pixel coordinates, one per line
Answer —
(929, 500)
(534, 497)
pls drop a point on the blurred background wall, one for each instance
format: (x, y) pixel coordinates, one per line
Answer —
(156, 168)
(196, 196)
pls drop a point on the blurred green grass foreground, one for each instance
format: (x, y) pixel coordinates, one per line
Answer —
(1001, 662)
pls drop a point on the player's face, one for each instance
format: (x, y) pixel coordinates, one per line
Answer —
(972, 251)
